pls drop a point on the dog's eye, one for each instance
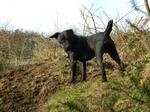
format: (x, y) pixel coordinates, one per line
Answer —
(63, 40)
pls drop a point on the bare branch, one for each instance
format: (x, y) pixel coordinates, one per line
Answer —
(92, 16)
(147, 8)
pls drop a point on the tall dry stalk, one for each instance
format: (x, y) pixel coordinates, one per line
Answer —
(88, 16)
(147, 8)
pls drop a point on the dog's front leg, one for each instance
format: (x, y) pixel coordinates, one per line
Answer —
(73, 70)
(73, 63)
(83, 70)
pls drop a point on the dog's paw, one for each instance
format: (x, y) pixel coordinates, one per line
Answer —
(83, 79)
(104, 80)
(71, 81)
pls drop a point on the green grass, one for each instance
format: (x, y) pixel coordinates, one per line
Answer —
(126, 93)
(55, 102)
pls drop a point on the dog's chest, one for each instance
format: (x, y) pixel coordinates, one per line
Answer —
(84, 55)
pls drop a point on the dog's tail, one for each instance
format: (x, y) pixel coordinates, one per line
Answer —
(109, 28)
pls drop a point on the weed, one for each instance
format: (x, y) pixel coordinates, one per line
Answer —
(78, 106)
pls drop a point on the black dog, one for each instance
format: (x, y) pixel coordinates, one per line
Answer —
(84, 48)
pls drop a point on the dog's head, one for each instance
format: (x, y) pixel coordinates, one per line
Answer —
(65, 39)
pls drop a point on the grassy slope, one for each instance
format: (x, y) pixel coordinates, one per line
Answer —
(127, 93)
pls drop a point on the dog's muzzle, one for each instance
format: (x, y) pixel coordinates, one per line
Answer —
(67, 48)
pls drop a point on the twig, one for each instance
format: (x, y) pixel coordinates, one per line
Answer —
(92, 16)
(124, 16)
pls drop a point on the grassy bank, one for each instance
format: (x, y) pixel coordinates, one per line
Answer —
(129, 92)
(124, 92)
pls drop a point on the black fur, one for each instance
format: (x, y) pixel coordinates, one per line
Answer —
(85, 48)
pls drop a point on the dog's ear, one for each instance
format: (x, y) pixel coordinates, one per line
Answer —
(70, 31)
(55, 35)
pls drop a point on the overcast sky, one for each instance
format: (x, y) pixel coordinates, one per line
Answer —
(51, 15)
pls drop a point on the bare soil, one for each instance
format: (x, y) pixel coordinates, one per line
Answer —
(25, 88)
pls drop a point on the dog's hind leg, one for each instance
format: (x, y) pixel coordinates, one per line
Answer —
(114, 55)
(99, 58)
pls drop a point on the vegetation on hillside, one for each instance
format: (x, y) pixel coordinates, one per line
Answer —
(124, 92)
(127, 92)
(21, 47)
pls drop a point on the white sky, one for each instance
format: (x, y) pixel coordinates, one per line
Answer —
(45, 15)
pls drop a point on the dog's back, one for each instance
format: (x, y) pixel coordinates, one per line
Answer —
(98, 40)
